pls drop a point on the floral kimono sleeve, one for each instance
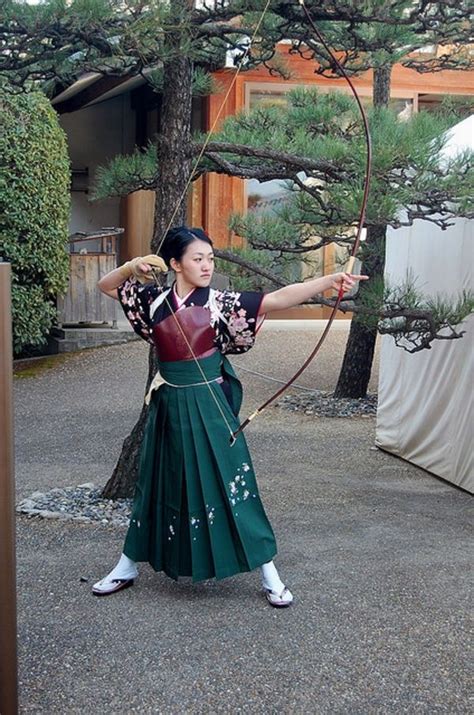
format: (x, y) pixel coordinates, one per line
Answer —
(135, 300)
(238, 319)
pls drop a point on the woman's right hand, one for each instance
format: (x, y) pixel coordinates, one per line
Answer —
(345, 282)
(141, 267)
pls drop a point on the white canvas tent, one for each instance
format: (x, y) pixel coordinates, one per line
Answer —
(426, 410)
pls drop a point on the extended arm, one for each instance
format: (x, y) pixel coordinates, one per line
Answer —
(298, 293)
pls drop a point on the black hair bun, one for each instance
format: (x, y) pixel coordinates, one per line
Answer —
(178, 239)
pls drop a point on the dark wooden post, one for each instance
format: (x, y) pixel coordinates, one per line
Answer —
(8, 646)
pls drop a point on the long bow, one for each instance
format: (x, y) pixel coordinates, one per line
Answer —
(355, 246)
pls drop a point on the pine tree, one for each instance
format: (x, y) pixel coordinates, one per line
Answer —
(409, 182)
(409, 27)
(52, 44)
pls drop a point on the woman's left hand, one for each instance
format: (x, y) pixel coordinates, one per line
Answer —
(346, 281)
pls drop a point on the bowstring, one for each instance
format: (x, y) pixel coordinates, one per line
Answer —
(183, 194)
(214, 124)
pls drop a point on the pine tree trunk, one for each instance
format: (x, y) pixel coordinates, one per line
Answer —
(121, 484)
(381, 88)
(174, 170)
(359, 354)
(356, 368)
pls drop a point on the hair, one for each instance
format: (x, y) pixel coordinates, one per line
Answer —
(178, 239)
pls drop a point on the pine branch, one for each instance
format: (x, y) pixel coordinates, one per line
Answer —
(222, 166)
(298, 163)
(252, 268)
(450, 61)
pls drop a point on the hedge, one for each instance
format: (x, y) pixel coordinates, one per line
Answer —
(34, 212)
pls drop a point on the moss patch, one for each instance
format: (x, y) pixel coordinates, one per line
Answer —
(35, 366)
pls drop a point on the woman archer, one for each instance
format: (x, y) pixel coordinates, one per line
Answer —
(197, 511)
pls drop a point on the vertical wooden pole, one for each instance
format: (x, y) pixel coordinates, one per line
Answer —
(8, 622)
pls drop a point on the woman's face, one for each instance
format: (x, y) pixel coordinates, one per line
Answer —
(196, 265)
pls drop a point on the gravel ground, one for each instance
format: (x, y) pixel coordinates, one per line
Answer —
(82, 503)
(324, 404)
(374, 549)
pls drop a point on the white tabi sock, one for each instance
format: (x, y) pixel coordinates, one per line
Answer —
(270, 578)
(126, 568)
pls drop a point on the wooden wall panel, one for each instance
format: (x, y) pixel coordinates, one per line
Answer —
(223, 194)
(447, 82)
(136, 216)
(83, 303)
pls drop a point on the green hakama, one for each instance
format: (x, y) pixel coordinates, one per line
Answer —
(197, 510)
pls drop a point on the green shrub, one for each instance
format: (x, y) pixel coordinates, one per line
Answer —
(34, 212)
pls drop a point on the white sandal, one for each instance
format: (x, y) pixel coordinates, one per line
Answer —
(107, 586)
(279, 600)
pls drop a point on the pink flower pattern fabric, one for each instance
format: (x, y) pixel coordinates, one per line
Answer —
(233, 315)
(135, 300)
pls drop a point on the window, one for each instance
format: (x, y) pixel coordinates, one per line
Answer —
(263, 197)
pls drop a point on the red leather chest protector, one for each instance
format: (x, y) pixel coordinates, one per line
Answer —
(170, 344)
